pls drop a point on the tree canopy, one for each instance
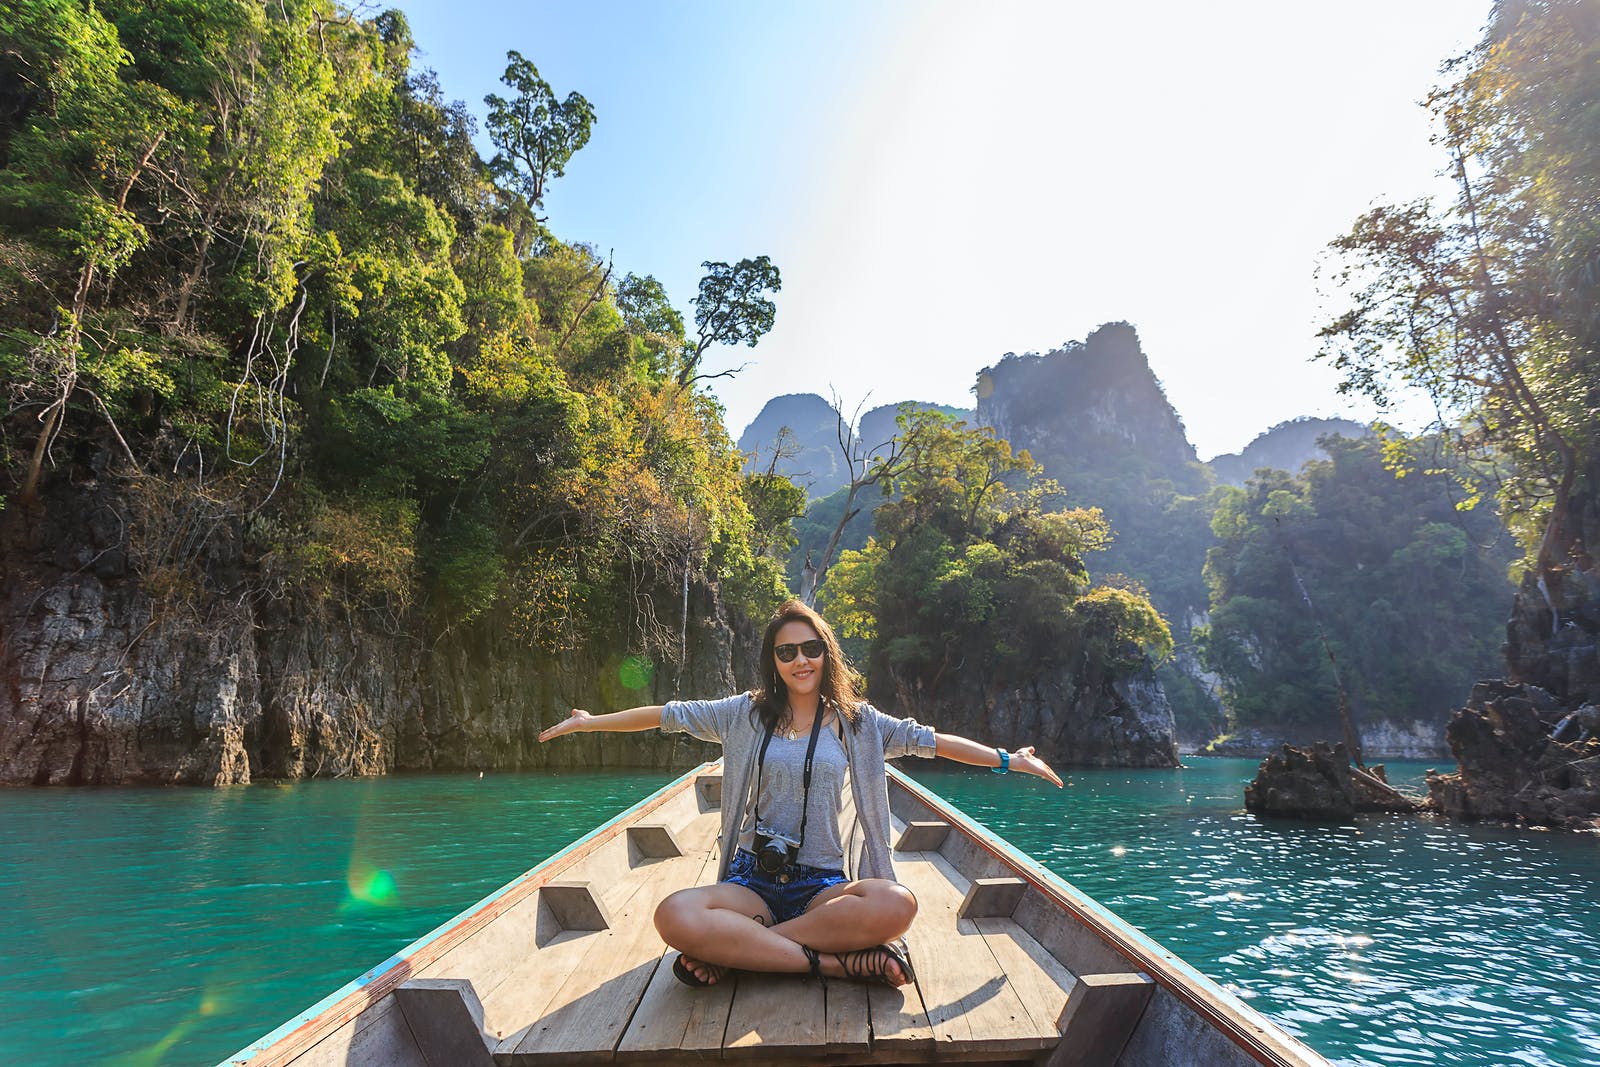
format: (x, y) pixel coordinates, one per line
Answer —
(252, 251)
(1408, 589)
(1487, 304)
(971, 573)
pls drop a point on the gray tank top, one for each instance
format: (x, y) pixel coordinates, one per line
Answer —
(783, 783)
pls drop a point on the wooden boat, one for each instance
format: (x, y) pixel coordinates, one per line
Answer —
(564, 965)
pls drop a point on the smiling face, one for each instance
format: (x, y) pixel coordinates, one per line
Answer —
(802, 675)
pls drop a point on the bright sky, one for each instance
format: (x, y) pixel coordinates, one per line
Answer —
(944, 182)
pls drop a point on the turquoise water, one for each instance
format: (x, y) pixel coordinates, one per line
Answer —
(167, 926)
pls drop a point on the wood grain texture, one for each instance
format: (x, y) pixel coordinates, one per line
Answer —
(924, 836)
(774, 1013)
(576, 906)
(991, 898)
(654, 841)
(446, 1018)
(971, 1004)
(1099, 1017)
(586, 1018)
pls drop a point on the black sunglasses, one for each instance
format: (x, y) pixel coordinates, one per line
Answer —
(813, 649)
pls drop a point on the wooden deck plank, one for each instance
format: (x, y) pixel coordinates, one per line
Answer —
(673, 1019)
(848, 1030)
(588, 1014)
(900, 1028)
(971, 1005)
(898, 1017)
(537, 965)
(1041, 982)
(775, 1014)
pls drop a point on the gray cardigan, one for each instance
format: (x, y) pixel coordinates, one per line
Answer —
(732, 723)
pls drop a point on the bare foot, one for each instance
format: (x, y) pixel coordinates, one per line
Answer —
(880, 963)
(706, 973)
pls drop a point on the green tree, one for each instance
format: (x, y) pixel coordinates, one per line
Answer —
(732, 308)
(1407, 590)
(534, 134)
(970, 573)
(1488, 304)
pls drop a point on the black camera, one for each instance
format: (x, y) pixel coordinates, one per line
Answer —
(775, 852)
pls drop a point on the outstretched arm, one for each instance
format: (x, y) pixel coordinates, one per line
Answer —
(962, 750)
(630, 721)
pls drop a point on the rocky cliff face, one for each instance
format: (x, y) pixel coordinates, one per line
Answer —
(1417, 739)
(1073, 722)
(1522, 757)
(104, 685)
(1528, 748)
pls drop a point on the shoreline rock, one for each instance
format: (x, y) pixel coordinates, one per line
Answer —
(1317, 783)
(1513, 766)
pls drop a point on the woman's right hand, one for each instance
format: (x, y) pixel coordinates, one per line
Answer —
(575, 723)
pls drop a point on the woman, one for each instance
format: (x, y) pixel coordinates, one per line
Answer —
(783, 902)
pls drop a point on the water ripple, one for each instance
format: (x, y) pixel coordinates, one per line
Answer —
(1392, 941)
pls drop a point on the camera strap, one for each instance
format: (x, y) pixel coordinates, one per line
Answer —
(805, 776)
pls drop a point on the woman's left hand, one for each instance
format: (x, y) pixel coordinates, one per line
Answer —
(1025, 761)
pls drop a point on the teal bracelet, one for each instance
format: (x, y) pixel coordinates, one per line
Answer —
(1005, 762)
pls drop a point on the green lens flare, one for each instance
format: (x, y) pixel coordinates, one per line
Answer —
(371, 885)
(636, 672)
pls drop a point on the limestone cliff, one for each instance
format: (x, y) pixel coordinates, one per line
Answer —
(1528, 747)
(105, 684)
(1073, 721)
(1093, 414)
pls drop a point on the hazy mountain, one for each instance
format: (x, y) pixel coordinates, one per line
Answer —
(813, 459)
(1094, 416)
(817, 462)
(1287, 446)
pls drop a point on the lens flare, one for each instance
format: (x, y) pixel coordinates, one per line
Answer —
(213, 1001)
(636, 672)
(371, 885)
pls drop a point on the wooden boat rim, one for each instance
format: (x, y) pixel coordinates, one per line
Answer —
(302, 1032)
(1255, 1033)
(1252, 1032)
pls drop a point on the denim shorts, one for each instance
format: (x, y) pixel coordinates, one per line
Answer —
(785, 899)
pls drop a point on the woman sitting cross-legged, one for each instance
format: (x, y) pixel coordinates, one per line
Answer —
(783, 902)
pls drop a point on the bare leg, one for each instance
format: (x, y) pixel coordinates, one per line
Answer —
(729, 926)
(854, 915)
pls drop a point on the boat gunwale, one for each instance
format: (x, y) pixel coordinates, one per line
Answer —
(1265, 1041)
(297, 1036)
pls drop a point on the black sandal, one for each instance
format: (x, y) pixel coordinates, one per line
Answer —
(872, 964)
(682, 973)
(814, 958)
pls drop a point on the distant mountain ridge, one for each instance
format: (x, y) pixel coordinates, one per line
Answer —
(1093, 414)
(1288, 446)
(816, 461)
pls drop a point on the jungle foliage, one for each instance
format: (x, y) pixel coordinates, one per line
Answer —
(976, 573)
(253, 251)
(1490, 304)
(1409, 590)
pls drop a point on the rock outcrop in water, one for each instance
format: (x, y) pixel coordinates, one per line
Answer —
(1317, 783)
(1522, 757)
(1528, 747)
(104, 684)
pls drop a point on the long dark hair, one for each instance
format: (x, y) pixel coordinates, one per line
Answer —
(838, 687)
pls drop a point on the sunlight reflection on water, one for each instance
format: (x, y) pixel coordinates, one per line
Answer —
(1392, 941)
